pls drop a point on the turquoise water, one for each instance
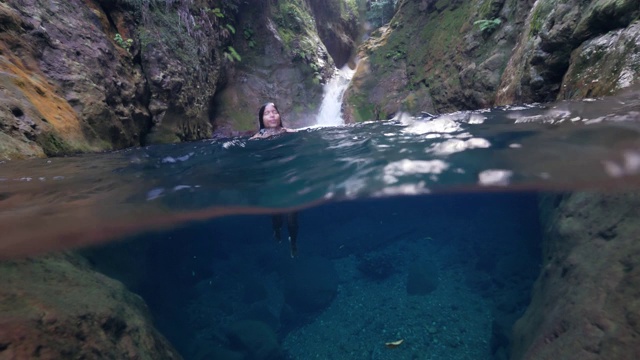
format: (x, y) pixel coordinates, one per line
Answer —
(416, 229)
(348, 292)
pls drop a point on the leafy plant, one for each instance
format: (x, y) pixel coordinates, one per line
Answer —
(231, 54)
(380, 12)
(248, 35)
(395, 55)
(125, 44)
(217, 12)
(488, 26)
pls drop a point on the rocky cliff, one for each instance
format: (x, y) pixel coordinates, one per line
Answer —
(585, 302)
(290, 48)
(93, 75)
(441, 56)
(89, 75)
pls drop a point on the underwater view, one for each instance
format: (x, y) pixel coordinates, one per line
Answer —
(320, 179)
(415, 238)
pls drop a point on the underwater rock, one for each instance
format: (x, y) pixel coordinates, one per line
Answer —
(310, 285)
(422, 278)
(255, 339)
(585, 301)
(56, 307)
(376, 267)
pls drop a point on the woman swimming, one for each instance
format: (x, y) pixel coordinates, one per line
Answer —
(270, 122)
(270, 125)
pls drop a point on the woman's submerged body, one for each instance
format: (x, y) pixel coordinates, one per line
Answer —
(270, 125)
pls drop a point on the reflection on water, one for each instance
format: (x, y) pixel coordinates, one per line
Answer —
(91, 198)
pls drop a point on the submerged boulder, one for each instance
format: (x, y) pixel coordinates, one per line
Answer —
(56, 307)
(422, 278)
(585, 301)
(310, 285)
(255, 340)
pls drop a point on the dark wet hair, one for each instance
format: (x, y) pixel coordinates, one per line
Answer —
(261, 113)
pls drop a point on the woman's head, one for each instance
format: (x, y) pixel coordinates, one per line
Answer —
(269, 116)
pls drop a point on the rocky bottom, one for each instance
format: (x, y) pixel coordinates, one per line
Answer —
(452, 322)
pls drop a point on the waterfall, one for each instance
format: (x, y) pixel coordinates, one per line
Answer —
(330, 113)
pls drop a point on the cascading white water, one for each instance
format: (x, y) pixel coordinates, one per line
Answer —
(330, 113)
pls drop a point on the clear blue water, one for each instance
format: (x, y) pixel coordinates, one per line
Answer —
(347, 292)
(422, 230)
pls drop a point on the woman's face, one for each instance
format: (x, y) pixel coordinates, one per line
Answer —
(271, 117)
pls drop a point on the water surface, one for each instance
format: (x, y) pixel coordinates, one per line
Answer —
(62, 202)
(450, 200)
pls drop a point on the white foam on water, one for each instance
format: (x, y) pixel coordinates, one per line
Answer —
(330, 113)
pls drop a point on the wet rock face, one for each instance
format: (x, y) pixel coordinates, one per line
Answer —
(338, 27)
(553, 46)
(283, 61)
(95, 75)
(183, 50)
(55, 307)
(585, 301)
(432, 57)
(77, 90)
(446, 56)
(604, 65)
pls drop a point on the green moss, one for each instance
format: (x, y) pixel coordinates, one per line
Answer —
(485, 9)
(441, 33)
(364, 110)
(539, 15)
(174, 36)
(292, 15)
(441, 4)
(53, 145)
(243, 119)
(365, 113)
(349, 8)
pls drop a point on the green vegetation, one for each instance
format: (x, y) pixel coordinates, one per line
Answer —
(395, 55)
(169, 32)
(364, 109)
(380, 12)
(540, 13)
(296, 28)
(248, 36)
(352, 8)
(488, 26)
(54, 145)
(437, 35)
(125, 44)
(231, 54)
(216, 12)
(291, 15)
(485, 9)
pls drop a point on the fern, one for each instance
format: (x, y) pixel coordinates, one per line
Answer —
(488, 26)
(231, 54)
